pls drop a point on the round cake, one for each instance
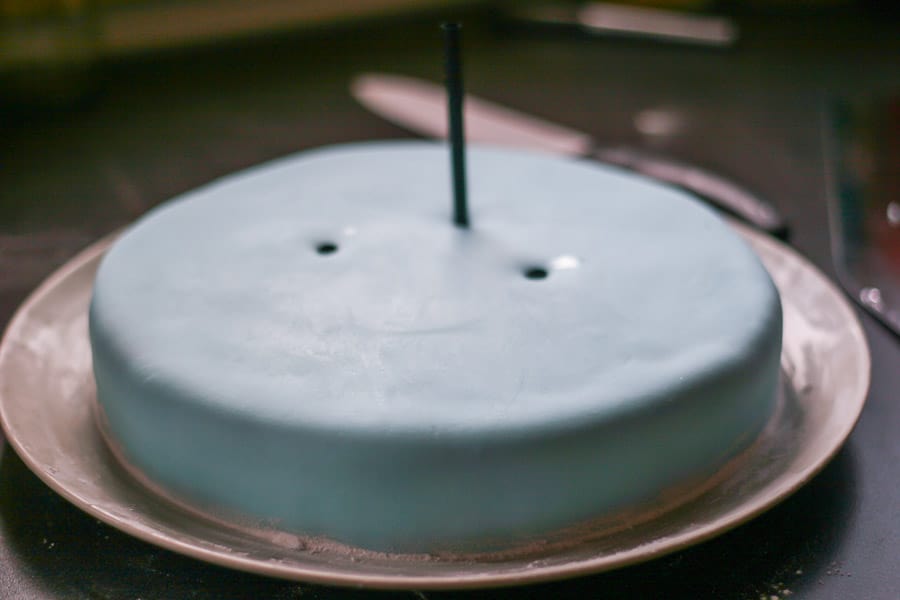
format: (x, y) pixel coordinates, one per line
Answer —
(314, 346)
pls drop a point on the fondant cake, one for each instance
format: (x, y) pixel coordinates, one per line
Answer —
(313, 345)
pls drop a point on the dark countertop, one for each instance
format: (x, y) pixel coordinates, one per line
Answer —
(154, 127)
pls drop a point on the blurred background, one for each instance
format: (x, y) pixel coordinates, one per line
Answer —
(49, 48)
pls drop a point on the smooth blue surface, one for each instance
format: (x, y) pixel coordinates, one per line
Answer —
(413, 390)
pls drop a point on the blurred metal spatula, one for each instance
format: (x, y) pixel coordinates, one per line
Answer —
(420, 106)
(863, 142)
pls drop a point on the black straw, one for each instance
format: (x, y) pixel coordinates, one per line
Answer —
(453, 82)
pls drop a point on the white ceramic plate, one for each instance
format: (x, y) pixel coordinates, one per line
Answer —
(47, 403)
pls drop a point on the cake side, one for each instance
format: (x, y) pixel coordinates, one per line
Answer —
(414, 391)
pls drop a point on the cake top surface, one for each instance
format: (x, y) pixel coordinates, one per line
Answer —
(230, 294)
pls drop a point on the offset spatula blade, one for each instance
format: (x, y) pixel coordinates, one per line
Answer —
(421, 108)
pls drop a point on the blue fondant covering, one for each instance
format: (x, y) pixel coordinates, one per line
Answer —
(413, 390)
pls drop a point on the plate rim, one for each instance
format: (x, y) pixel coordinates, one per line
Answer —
(491, 575)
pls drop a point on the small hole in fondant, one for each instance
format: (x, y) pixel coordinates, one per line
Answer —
(535, 272)
(326, 248)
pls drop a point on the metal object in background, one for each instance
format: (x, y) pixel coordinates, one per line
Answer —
(640, 22)
(658, 24)
(863, 140)
(419, 106)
